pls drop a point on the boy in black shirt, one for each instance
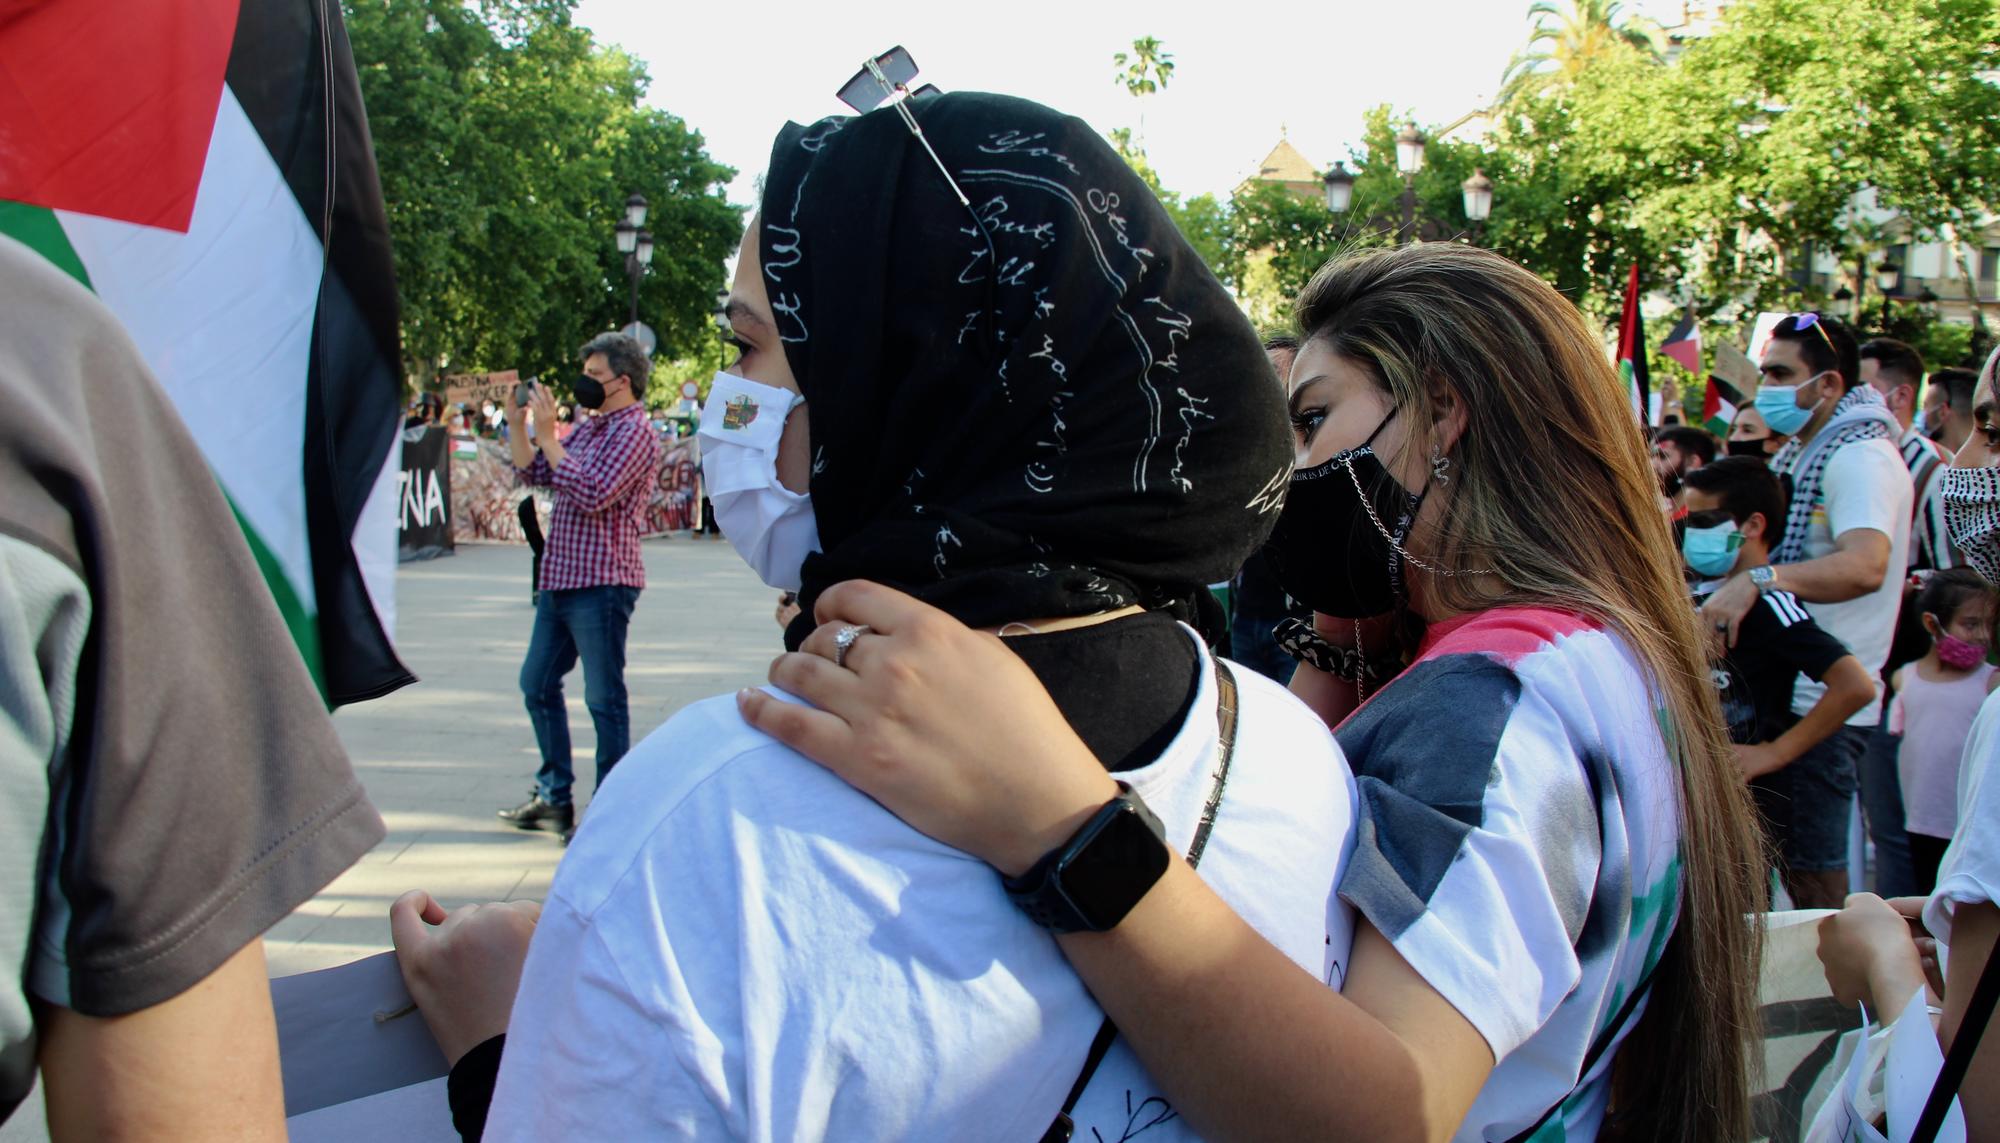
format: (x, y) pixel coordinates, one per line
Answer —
(1733, 505)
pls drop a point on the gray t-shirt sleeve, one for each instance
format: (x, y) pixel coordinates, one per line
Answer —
(203, 794)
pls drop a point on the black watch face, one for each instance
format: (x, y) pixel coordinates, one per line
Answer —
(1119, 865)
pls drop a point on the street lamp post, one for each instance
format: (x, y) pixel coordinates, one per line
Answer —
(1478, 201)
(1886, 276)
(637, 246)
(1339, 188)
(1409, 160)
(1843, 303)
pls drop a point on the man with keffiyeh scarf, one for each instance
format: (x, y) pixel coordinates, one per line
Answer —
(1844, 547)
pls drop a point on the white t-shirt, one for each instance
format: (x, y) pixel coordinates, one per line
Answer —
(1970, 871)
(1865, 485)
(740, 945)
(1520, 846)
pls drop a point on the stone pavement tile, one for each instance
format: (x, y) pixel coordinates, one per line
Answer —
(438, 758)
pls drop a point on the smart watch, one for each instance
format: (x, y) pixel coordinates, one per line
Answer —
(1089, 883)
(1763, 577)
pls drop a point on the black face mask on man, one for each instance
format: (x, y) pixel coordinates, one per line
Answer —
(589, 391)
(1337, 545)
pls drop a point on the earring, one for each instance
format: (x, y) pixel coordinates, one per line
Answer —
(1440, 466)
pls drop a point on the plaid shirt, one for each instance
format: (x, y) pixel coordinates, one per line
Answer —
(610, 464)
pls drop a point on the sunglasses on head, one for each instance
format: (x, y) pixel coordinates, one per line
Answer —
(1806, 321)
(885, 82)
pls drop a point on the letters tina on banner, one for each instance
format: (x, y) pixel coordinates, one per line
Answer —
(425, 516)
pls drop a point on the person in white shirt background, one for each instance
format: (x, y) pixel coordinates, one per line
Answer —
(1842, 550)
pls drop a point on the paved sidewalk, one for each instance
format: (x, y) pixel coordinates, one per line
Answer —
(438, 758)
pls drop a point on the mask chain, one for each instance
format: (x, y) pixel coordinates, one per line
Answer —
(1369, 506)
(1360, 674)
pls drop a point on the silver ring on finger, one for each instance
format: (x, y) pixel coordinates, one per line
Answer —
(844, 640)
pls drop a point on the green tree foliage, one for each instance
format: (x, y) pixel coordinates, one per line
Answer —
(1713, 168)
(1758, 139)
(507, 142)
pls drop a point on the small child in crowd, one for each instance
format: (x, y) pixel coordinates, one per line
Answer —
(1936, 699)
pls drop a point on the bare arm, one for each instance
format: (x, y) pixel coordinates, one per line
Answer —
(1858, 564)
(1975, 930)
(1848, 689)
(1870, 958)
(202, 1066)
(1247, 1044)
(1188, 983)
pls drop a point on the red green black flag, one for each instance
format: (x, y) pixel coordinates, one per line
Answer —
(216, 188)
(1632, 351)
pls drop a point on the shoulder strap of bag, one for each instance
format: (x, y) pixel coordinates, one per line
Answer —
(1956, 1061)
(1225, 721)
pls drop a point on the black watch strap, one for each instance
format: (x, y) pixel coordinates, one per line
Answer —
(1064, 1127)
(1038, 892)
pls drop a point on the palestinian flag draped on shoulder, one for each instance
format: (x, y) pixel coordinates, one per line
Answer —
(205, 167)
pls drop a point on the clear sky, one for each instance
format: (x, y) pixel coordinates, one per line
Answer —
(1245, 69)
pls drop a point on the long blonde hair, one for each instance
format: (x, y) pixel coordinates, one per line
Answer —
(1552, 490)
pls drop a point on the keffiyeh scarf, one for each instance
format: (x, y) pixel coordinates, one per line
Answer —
(1861, 415)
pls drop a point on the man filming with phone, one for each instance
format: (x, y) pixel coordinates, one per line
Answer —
(591, 572)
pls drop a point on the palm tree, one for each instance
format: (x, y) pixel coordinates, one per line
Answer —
(1146, 67)
(1570, 37)
(1144, 71)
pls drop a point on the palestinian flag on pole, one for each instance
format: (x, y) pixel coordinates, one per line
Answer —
(1718, 406)
(1683, 344)
(213, 181)
(1632, 352)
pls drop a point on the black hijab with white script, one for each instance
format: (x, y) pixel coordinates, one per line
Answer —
(1074, 419)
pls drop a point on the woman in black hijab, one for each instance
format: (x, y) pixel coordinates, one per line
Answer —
(1037, 410)
(1037, 404)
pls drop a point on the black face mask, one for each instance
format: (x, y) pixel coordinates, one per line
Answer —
(589, 391)
(1670, 484)
(1752, 447)
(1327, 551)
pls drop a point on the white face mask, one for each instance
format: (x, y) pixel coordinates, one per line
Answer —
(769, 525)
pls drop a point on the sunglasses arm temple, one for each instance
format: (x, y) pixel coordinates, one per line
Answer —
(910, 121)
(903, 108)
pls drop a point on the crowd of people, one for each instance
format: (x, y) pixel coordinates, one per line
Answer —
(1006, 849)
(1815, 540)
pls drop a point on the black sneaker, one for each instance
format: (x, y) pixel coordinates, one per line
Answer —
(539, 813)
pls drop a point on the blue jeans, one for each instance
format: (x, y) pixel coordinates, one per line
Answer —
(587, 623)
(1882, 802)
(1808, 804)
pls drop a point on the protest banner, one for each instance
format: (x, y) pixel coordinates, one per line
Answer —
(475, 389)
(424, 506)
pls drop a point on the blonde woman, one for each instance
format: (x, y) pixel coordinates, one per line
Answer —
(1555, 858)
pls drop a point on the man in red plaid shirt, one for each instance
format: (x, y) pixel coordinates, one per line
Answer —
(603, 475)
